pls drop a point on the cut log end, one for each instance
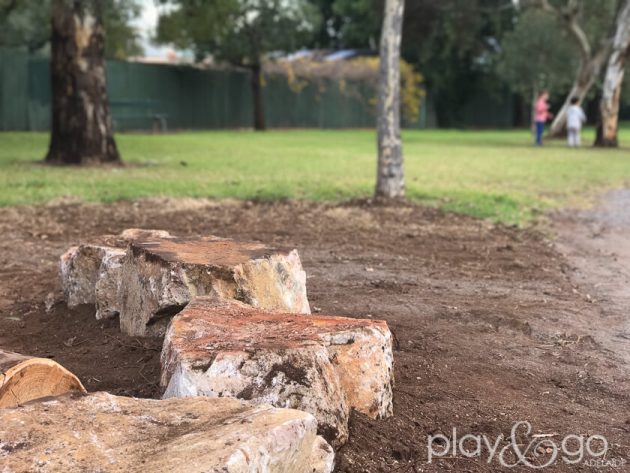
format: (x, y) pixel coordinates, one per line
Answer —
(24, 379)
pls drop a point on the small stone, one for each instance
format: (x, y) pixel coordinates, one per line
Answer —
(102, 432)
(50, 302)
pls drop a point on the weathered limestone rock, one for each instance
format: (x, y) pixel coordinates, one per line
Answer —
(319, 364)
(102, 432)
(24, 378)
(148, 275)
(90, 272)
(81, 269)
(161, 275)
(107, 287)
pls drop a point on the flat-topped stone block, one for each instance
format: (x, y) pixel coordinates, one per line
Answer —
(146, 276)
(320, 364)
(102, 432)
(90, 272)
(159, 276)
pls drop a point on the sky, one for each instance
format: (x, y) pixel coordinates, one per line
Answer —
(146, 23)
(148, 18)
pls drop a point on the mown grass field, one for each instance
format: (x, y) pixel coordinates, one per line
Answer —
(492, 174)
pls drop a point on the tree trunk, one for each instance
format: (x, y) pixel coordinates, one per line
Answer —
(390, 182)
(591, 62)
(587, 74)
(24, 379)
(611, 93)
(81, 123)
(257, 96)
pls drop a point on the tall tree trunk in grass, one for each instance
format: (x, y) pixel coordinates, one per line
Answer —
(611, 93)
(257, 97)
(390, 181)
(588, 72)
(81, 123)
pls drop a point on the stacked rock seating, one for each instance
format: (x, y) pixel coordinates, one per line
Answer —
(237, 324)
(320, 364)
(160, 276)
(102, 432)
(147, 276)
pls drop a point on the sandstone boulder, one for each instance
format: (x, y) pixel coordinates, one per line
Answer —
(105, 433)
(81, 270)
(320, 364)
(159, 276)
(90, 272)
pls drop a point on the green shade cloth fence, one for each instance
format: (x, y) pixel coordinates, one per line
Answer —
(143, 96)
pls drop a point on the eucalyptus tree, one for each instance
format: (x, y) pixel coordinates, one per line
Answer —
(588, 24)
(390, 180)
(81, 123)
(26, 25)
(613, 80)
(526, 61)
(240, 32)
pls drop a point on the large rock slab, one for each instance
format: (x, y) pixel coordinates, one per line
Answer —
(320, 364)
(90, 272)
(106, 433)
(159, 276)
(149, 275)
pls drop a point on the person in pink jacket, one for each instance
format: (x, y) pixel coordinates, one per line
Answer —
(541, 115)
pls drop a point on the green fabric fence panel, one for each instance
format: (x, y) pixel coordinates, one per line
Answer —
(38, 100)
(320, 104)
(145, 96)
(13, 91)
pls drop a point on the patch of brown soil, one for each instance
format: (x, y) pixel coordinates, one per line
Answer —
(490, 329)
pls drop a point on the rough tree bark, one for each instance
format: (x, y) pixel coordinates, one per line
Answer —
(81, 123)
(257, 97)
(591, 60)
(390, 182)
(611, 93)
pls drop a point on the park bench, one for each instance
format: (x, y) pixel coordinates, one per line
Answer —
(138, 114)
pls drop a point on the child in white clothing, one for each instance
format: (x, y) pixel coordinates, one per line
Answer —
(575, 119)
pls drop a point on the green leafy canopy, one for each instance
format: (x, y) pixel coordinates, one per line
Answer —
(537, 55)
(241, 32)
(26, 25)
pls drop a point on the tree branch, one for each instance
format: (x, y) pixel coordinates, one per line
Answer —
(548, 7)
(569, 16)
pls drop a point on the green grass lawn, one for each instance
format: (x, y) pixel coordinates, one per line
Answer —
(492, 174)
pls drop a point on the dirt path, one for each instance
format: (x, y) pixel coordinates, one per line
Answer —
(492, 326)
(596, 242)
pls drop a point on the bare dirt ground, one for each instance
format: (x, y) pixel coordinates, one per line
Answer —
(493, 325)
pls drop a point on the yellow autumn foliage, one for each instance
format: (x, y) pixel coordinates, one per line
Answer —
(302, 72)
